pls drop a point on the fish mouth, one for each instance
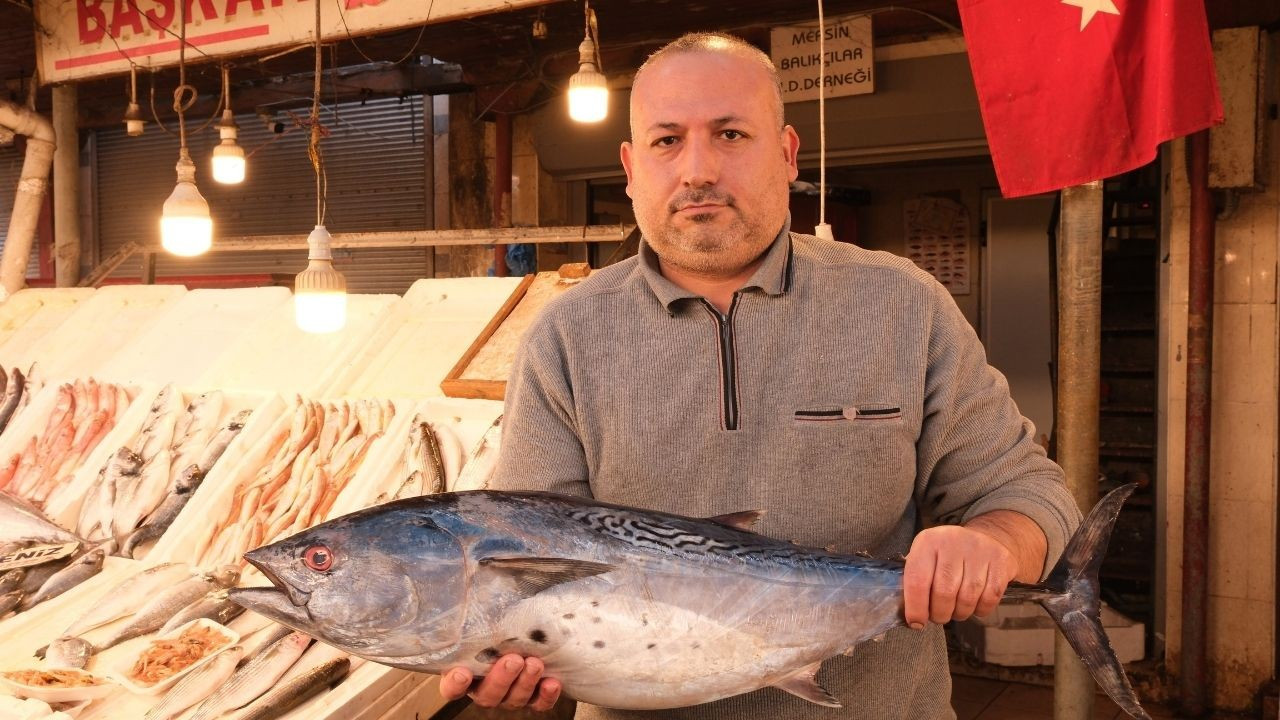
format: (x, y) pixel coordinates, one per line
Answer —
(298, 597)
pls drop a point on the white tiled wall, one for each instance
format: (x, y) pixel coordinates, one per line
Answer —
(1244, 433)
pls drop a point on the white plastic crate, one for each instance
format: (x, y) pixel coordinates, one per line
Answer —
(1021, 633)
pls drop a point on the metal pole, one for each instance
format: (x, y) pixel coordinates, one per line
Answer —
(501, 187)
(30, 195)
(1079, 348)
(66, 187)
(1195, 507)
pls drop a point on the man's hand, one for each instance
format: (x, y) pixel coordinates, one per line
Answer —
(512, 683)
(954, 571)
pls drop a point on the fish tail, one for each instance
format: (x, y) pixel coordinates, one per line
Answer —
(1070, 595)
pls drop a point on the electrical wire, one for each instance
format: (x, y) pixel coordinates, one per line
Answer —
(822, 118)
(354, 44)
(313, 147)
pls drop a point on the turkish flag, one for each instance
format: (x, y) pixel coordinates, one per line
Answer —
(1078, 90)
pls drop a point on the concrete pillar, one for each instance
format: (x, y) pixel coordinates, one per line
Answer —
(66, 187)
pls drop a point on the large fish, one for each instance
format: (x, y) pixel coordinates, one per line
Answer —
(629, 608)
(20, 521)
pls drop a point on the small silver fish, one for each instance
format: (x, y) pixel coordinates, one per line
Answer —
(68, 652)
(215, 606)
(129, 595)
(198, 685)
(160, 519)
(219, 444)
(9, 601)
(87, 566)
(478, 469)
(293, 692)
(159, 609)
(12, 580)
(255, 677)
(13, 393)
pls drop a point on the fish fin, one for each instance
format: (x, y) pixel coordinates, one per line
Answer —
(803, 684)
(1070, 595)
(741, 520)
(532, 575)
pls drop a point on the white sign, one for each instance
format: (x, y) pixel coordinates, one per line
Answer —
(79, 39)
(36, 555)
(848, 66)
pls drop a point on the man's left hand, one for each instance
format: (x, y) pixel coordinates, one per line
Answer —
(954, 572)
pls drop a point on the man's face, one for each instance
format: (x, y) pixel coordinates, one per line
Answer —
(708, 168)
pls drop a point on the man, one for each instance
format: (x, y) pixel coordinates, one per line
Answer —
(735, 365)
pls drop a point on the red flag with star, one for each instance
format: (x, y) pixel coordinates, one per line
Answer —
(1079, 90)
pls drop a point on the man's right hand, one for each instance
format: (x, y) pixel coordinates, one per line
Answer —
(513, 682)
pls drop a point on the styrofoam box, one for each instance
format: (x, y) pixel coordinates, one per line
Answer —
(191, 530)
(1021, 633)
(194, 332)
(97, 327)
(468, 419)
(275, 356)
(444, 316)
(65, 506)
(33, 312)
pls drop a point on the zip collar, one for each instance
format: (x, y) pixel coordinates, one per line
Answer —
(773, 277)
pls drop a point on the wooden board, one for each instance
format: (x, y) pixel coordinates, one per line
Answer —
(482, 370)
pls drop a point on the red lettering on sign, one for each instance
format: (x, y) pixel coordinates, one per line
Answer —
(234, 5)
(91, 21)
(159, 21)
(206, 7)
(125, 13)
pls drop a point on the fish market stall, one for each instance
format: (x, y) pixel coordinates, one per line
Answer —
(31, 314)
(275, 356)
(194, 332)
(103, 323)
(443, 316)
(257, 432)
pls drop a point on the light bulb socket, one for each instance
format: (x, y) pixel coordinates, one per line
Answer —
(320, 244)
(186, 169)
(227, 127)
(133, 120)
(587, 53)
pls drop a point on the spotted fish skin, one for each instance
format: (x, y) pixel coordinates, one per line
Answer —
(629, 608)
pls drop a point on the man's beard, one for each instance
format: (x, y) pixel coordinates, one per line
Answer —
(702, 247)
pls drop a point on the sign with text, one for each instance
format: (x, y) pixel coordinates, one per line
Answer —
(78, 39)
(848, 50)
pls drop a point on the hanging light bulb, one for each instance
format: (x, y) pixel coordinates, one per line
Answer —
(539, 30)
(320, 291)
(185, 225)
(133, 122)
(228, 157)
(588, 90)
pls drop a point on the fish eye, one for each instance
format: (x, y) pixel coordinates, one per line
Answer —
(318, 558)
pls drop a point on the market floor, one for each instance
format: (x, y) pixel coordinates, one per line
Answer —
(983, 699)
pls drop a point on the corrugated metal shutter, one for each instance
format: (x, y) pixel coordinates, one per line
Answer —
(374, 159)
(10, 172)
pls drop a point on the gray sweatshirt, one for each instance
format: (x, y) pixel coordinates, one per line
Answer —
(843, 393)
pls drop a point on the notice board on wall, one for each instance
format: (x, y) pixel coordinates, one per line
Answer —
(937, 240)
